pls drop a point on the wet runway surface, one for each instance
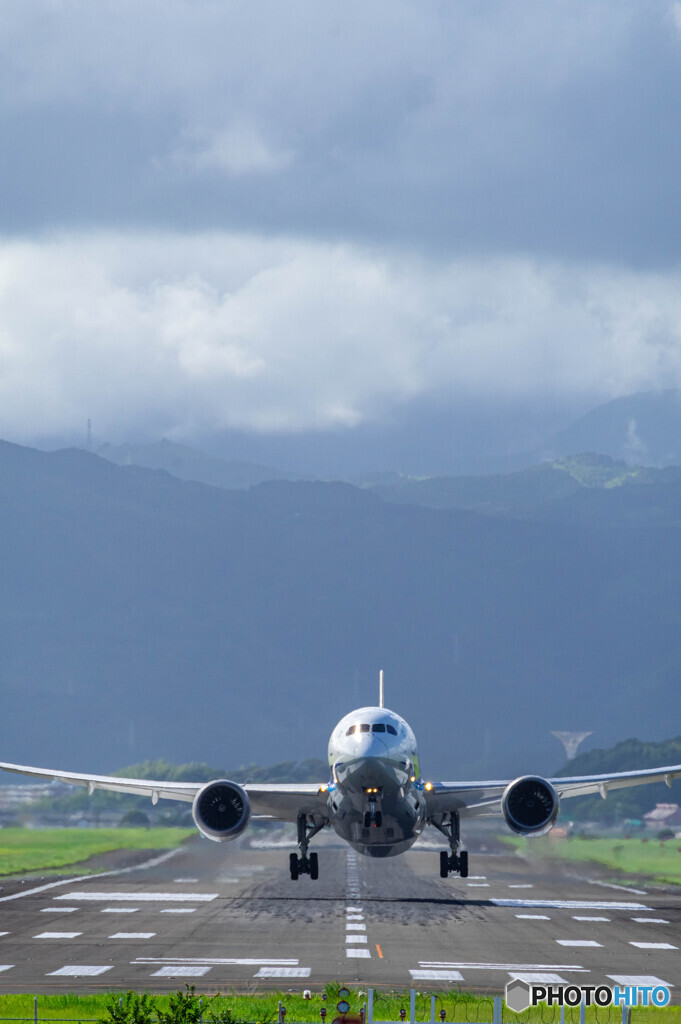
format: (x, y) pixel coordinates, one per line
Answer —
(228, 917)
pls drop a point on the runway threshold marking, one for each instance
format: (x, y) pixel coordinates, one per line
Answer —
(142, 897)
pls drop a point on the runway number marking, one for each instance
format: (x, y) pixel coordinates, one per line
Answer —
(80, 971)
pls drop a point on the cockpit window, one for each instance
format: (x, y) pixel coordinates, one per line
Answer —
(350, 730)
(364, 728)
(378, 727)
(392, 730)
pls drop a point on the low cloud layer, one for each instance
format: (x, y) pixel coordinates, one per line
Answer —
(180, 335)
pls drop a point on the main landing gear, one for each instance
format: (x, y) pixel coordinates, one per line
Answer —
(456, 861)
(305, 865)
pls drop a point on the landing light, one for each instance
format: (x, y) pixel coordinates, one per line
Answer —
(413, 778)
(429, 786)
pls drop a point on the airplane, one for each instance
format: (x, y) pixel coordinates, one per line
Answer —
(376, 799)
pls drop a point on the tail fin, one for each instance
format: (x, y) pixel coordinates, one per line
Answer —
(380, 689)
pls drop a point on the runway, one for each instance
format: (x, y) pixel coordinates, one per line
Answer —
(228, 917)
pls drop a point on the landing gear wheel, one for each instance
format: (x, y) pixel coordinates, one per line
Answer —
(314, 867)
(463, 863)
(444, 864)
(293, 866)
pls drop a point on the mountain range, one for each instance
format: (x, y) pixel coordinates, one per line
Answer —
(143, 616)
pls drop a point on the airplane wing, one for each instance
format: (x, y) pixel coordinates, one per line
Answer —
(284, 801)
(473, 799)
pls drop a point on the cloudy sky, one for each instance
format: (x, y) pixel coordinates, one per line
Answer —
(303, 216)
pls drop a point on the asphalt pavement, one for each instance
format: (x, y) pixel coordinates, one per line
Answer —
(227, 917)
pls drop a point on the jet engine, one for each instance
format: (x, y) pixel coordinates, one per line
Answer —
(221, 810)
(530, 806)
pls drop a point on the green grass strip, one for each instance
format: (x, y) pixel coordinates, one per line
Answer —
(262, 1008)
(651, 858)
(23, 849)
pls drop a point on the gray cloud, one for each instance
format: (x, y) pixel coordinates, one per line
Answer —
(183, 335)
(546, 129)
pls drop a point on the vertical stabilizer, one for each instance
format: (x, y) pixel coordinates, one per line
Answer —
(380, 689)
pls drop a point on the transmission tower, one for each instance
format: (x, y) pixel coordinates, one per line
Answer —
(571, 741)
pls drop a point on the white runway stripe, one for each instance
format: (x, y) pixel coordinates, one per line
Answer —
(582, 917)
(570, 904)
(355, 938)
(58, 910)
(650, 920)
(132, 935)
(214, 961)
(57, 935)
(533, 917)
(653, 945)
(436, 975)
(6, 967)
(484, 966)
(144, 897)
(80, 971)
(364, 953)
(350, 927)
(116, 910)
(180, 971)
(178, 910)
(283, 972)
(578, 942)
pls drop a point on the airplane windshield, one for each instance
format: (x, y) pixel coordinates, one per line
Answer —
(378, 727)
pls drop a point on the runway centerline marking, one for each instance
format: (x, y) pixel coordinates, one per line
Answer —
(650, 920)
(57, 935)
(585, 917)
(132, 935)
(115, 910)
(533, 917)
(143, 897)
(365, 953)
(355, 938)
(58, 910)
(354, 917)
(350, 927)
(178, 910)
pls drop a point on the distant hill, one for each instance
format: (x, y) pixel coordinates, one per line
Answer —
(142, 616)
(593, 488)
(188, 463)
(643, 428)
(624, 803)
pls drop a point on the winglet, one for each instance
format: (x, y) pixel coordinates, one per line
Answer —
(380, 689)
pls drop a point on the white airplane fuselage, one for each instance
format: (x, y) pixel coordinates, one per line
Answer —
(376, 794)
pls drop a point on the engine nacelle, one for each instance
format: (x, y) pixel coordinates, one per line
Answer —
(530, 806)
(221, 810)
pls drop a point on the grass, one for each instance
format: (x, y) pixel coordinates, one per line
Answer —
(650, 858)
(262, 1008)
(23, 850)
